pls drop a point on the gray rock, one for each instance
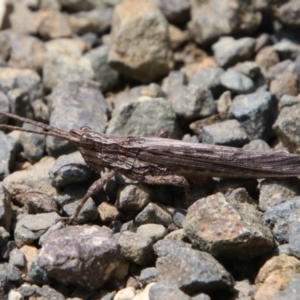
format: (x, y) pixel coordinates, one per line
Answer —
(133, 197)
(249, 68)
(70, 255)
(30, 227)
(70, 198)
(273, 192)
(137, 248)
(154, 213)
(194, 102)
(7, 154)
(36, 274)
(144, 55)
(69, 169)
(17, 258)
(5, 208)
(148, 275)
(236, 82)
(4, 104)
(199, 273)
(6, 44)
(26, 83)
(229, 51)
(287, 100)
(67, 102)
(287, 126)
(226, 133)
(201, 296)
(128, 96)
(215, 21)
(10, 277)
(256, 113)
(176, 11)
(291, 290)
(287, 49)
(33, 144)
(153, 231)
(166, 246)
(293, 236)
(27, 290)
(257, 145)
(283, 249)
(27, 52)
(4, 237)
(179, 217)
(47, 292)
(145, 117)
(104, 73)
(279, 218)
(166, 290)
(209, 78)
(228, 228)
(57, 67)
(286, 15)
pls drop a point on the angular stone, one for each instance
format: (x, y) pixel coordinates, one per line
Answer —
(256, 112)
(145, 54)
(287, 126)
(199, 273)
(279, 218)
(227, 228)
(70, 255)
(137, 248)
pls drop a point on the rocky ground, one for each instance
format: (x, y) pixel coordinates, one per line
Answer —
(216, 72)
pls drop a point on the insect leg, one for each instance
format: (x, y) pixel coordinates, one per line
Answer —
(171, 180)
(93, 189)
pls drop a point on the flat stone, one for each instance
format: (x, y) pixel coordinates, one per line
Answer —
(30, 227)
(226, 133)
(236, 82)
(229, 51)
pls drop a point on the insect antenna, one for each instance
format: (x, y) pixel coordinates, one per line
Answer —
(47, 129)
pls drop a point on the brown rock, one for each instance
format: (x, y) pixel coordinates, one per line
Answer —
(34, 178)
(108, 212)
(267, 57)
(274, 283)
(282, 263)
(177, 36)
(51, 24)
(226, 227)
(139, 41)
(286, 83)
(80, 255)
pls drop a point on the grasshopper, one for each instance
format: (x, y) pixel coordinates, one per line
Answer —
(159, 160)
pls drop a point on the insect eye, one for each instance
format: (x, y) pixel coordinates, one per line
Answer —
(85, 128)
